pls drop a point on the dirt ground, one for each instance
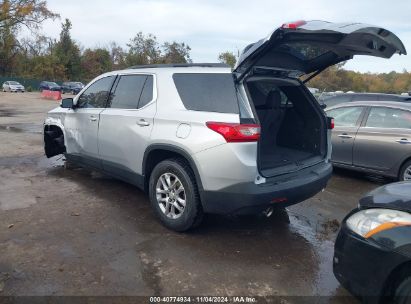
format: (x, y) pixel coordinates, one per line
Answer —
(76, 232)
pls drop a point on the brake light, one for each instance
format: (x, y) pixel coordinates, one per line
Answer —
(331, 123)
(235, 132)
(293, 25)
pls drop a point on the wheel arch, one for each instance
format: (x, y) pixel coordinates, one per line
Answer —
(52, 145)
(158, 152)
(402, 164)
(395, 277)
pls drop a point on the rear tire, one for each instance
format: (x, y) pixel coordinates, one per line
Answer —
(405, 172)
(174, 195)
(402, 294)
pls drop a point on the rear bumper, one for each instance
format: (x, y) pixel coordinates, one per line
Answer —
(249, 197)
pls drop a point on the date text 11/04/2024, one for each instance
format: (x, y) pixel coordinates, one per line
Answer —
(203, 299)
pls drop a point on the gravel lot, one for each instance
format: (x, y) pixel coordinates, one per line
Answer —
(76, 232)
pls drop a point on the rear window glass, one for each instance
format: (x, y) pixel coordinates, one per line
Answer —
(304, 51)
(207, 92)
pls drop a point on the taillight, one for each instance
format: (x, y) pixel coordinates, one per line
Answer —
(235, 132)
(330, 122)
(293, 25)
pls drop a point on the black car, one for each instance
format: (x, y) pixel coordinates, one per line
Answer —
(49, 85)
(331, 101)
(72, 87)
(372, 257)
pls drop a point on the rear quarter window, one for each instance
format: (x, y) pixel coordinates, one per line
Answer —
(210, 92)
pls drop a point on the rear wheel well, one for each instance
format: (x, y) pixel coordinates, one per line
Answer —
(53, 140)
(158, 155)
(394, 280)
(402, 165)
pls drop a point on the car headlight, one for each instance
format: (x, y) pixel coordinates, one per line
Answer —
(371, 221)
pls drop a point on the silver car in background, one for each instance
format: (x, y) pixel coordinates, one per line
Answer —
(13, 86)
(374, 137)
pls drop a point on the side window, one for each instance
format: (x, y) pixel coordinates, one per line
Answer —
(128, 91)
(345, 117)
(365, 97)
(381, 117)
(96, 94)
(207, 92)
(132, 92)
(147, 94)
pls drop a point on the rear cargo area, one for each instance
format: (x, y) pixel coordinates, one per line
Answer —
(293, 133)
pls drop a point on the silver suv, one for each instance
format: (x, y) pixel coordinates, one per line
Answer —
(200, 138)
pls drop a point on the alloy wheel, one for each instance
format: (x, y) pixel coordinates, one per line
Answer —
(171, 195)
(407, 173)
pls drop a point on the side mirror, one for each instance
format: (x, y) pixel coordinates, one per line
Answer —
(67, 103)
(323, 106)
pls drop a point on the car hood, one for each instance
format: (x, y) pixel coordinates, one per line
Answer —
(305, 47)
(392, 196)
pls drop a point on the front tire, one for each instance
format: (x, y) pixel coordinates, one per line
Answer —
(405, 172)
(402, 294)
(174, 195)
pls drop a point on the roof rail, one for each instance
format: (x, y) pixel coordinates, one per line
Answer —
(181, 65)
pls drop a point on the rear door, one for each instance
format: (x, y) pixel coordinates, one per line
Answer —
(81, 124)
(383, 142)
(305, 47)
(347, 121)
(126, 124)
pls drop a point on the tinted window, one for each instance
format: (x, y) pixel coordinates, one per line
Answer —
(96, 94)
(345, 117)
(365, 98)
(332, 101)
(389, 118)
(128, 91)
(147, 94)
(207, 92)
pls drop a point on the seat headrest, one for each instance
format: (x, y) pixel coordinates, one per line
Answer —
(273, 100)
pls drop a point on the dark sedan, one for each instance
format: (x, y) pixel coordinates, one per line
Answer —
(372, 257)
(49, 85)
(373, 137)
(72, 87)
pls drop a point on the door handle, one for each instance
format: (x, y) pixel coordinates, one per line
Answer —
(345, 135)
(93, 118)
(143, 123)
(403, 141)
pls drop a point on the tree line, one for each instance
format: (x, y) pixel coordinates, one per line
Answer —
(43, 57)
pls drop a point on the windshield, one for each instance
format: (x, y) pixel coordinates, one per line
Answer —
(53, 84)
(14, 83)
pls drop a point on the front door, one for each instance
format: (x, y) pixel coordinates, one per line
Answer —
(81, 123)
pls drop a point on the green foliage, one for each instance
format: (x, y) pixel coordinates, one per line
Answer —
(337, 79)
(145, 49)
(95, 62)
(28, 13)
(67, 52)
(176, 53)
(228, 58)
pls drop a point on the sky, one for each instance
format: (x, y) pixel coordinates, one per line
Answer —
(210, 27)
